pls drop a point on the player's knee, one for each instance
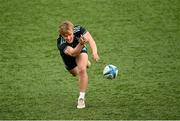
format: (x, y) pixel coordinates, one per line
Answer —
(82, 70)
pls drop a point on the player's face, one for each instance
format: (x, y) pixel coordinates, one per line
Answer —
(69, 37)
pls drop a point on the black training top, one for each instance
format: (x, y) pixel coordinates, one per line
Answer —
(62, 44)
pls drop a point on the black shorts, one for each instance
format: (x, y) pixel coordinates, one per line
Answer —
(70, 63)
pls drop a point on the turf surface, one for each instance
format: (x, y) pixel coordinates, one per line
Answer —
(140, 37)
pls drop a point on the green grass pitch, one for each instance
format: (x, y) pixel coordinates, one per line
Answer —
(140, 37)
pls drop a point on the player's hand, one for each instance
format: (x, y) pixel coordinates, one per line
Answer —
(82, 40)
(96, 57)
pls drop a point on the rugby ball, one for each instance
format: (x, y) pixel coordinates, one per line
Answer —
(110, 71)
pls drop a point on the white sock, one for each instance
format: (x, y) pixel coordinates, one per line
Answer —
(81, 95)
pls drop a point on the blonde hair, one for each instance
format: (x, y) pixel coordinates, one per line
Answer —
(65, 28)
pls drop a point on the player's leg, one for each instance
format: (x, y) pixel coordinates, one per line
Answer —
(82, 61)
(72, 67)
(74, 71)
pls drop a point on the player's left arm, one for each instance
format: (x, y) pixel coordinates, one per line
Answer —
(92, 44)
